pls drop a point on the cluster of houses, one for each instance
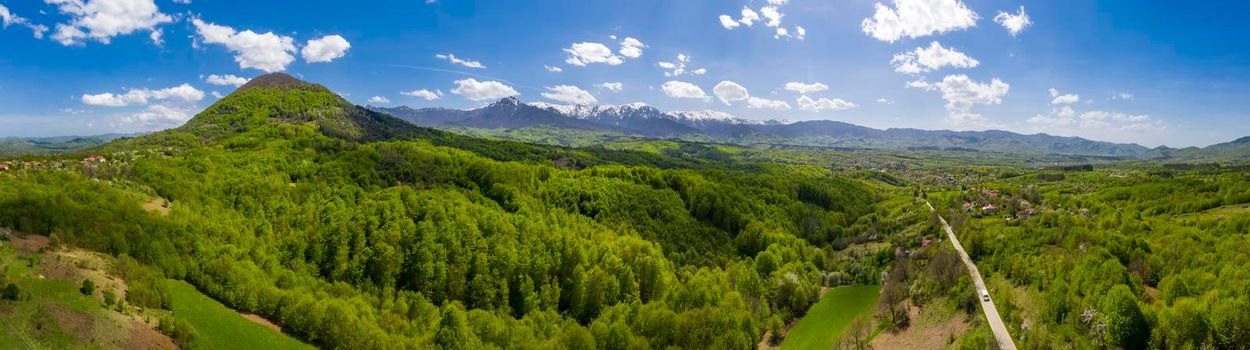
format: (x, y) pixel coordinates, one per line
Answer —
(989, 202)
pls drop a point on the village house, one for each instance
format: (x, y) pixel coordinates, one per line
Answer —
(989, 208)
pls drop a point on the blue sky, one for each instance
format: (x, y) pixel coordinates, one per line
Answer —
(1149, 72)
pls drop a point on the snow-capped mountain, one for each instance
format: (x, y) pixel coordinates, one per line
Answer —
(639, 119)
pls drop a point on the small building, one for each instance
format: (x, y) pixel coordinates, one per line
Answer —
(989, 208)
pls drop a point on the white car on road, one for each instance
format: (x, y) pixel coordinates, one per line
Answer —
(985, 295)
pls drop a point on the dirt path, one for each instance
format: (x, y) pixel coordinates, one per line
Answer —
(991, 313)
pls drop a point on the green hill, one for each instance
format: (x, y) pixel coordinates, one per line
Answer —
(352, 229)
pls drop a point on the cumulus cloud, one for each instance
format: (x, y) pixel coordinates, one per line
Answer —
(1014, 23)
(918, 18)
(181, 93)
(931, 58)
(962, 93)
(748, 18)
(772, 15)
(267, 52)
(227, 79)
(424, 94)
(326, 49)
(681, 89)
(456, 60)
(678, 68)
(569, 94)
(1102, 125)
(483, 90)
(553, 69)
(1063, 99)
(158, 116)
(728, 91)
(805, 88)
(101, 20)
(763, 103)
(631, 48)
(379, 99)
(823, 104)
(614, 86)
(584, 53)
(9, 18)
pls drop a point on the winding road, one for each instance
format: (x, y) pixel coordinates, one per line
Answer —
(991, 313)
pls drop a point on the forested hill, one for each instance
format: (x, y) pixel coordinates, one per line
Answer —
(351, 230)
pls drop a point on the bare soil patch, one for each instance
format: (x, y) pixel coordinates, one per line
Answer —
(923, 334)
(262, 321)
(143, 337)
(75, 323)
(157, 205)
(29, 243)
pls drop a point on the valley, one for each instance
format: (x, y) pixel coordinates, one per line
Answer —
(286, 217)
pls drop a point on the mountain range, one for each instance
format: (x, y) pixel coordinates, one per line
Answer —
(643, 120)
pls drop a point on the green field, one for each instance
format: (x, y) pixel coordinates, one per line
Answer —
(825, 321)
(220, 327)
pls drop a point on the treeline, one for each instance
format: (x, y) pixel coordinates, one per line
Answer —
(405, 244)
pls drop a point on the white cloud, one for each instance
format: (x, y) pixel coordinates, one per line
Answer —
(1014, 23)
(728, 22)
(885, 101)
(379, 99)
(326, 49)
(1059, 99)
(805, 88)
(553, 69)
(678, 68)
(837, 104)
(101, 20)
(728, 91)
(778, 2)
(227, 79)
(782, 32)
(158, 116)
(267, 52)
(681, 89)
(800, 33)
(424, 94)
(631, 47)
(569, 94)
(612, 86)
(749, 17)
(763, 103)
(584, 53)
(9, 18)
(961, 94)
(183, 93)
(483, 90)
(1123, 96)
(456, 60)
(917, 18)
(1102, 125)
(931, 58)
(772, 15)
(217, 95)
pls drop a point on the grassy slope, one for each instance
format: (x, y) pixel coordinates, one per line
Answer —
(220, 327)
(825, 321)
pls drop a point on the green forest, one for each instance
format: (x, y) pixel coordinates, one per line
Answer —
(1133, 258)
(353, 230)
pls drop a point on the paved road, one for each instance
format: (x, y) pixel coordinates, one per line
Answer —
(991, 313)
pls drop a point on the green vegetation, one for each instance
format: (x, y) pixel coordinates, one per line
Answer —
(351, 231)
(207, 324)
(824, 322)
(1126, 258)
